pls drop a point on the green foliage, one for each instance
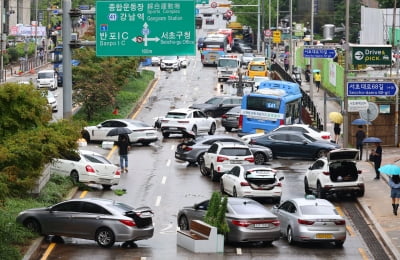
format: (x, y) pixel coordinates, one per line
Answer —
(216, 211)
(12, 54)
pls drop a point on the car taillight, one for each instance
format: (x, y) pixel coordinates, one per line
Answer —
(305, 222)
(221, 158)
(244, 183)
(117, 172)
(224, 116)
(240, 121)
(250, 159)
(359, 171)
(89, 168)
(164, 121)
(279, 184)
(276, 222)
(340, 222)
(129, 223)
(241, 223)
(187, 148)
(183, 121)
(326, 173)
(326, 137)
(281, 122)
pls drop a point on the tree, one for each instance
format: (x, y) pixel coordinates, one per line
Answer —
(216, 211)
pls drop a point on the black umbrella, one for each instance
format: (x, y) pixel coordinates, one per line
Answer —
(119, 131)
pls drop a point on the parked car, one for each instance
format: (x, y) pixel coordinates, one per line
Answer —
(310, 220)
(219, 105)
(248, 220)
(193, 152)
(244, 48)
(155, 61)
(182, 120)
(103, 220)
(170, 63)
(223, 156)
(304, 128)
(252, 181)
(230, 119)
(184, 62)
(247, 58)
(294, 144)
(336, 173)
(87, 167)
(141, 132)
(51, 100)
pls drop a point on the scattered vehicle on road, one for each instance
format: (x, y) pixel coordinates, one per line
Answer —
(47, 79)
(335, 174)
(230, 119)
(105, 221)
(155, 61)
(219, 105)
(182, 120)
(228, 66)
(87, 167)
(170, 63)
(310, 220)
(248, 220)
(252, 181)
(308, 129)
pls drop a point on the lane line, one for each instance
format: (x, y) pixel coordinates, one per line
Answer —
(158, 201)
(238, 251)
(168, 162)
(48, 251)
(363, 254)
(164, 180)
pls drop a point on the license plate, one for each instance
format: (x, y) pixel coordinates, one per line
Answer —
(324, 236)
(236, 161)
(149, 134)
(261, 225)
(173, 128)
(259, 131)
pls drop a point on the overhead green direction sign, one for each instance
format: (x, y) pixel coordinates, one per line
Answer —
(145, 28)
(373, 55)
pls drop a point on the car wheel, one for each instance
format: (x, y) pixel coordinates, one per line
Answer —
(321, 153)
(213, 174)
(339, 243)
(234, 192)
(276, 200)
(320, 192)
(145, 143)
(203, 169)
(221, 186)
(194, 129)
(183, 223)
(212, 129)
(106, 186)
(33, 225)
(361, 192)
(289, 236)
(105, 237)
(165, 134)
(259, 158)
(74, 176)
(200, 159)
(306, 186)
(228, 129)
(86, 136)
(267, 243)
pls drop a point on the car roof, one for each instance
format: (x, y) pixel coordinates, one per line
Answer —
(183, 110)
(232, 144)
(311, 201)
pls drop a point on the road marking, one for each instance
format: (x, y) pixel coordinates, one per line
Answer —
(172, 147)
(48, 251)
(164, 180)
(363, 254)
(348, 228)
(238, 251)
(168, 162)
(83, 194)
(158, 201)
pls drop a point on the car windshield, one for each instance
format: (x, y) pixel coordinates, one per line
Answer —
(248, 208)
(45, 75)
(231, 63)
(317, 210)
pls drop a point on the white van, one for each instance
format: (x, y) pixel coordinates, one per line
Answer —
(47, 79)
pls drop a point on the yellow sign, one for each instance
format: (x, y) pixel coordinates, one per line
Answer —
(224, 5)
(276, 36)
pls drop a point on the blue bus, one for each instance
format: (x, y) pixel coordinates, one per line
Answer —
(275, 103)
(57, 57)
(214, 46)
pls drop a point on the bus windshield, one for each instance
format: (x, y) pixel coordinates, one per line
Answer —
(263, 104)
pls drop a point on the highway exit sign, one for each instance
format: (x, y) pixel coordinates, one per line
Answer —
(371, 55)
(145, 28)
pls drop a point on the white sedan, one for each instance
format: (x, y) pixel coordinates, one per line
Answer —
(87, 167)
(141, 132)
(252, 181)
(310, 130)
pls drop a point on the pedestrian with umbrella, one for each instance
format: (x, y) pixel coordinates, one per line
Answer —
(394, 183)
(123, 149)
(337, 119)
(377, 159)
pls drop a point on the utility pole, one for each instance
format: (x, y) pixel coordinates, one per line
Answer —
(67, 67)
(1, 41)
(346, 69)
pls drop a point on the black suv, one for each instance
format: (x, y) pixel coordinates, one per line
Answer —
(217, 106)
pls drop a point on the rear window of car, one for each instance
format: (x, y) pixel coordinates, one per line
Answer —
(260, 174)
(96, 159)
(235, 151)
(176, 115)
(248, 208)
(318, 210)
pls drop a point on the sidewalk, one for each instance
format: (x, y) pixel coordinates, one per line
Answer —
(376, 203)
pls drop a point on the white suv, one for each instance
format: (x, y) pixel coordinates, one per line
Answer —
(222, 157)
(179, 121)
(335, 174)
(47, 79)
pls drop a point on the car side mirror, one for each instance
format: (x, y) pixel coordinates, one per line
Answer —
(98, 126)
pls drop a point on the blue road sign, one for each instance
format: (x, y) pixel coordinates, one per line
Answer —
(371, 88)
(319, 53)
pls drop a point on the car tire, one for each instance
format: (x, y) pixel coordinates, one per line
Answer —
(33, 225)
(145, 143)
(320, 192)
(339, 243)
(259, 158)
(289, 236)
(213, 174)
(165, 134)
(194, 129)
(74, 176)
(200, 159)
(222, 188)
(203, 169)
(183, 223)
(321, 153)
(306, 186)
(86, 136)
(361, 192)
(267, 243)
(234, 192)
(105, 237)
(106, 186)
(228, 129)
(212, 129)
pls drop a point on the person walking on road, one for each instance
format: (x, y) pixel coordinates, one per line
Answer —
(124, 147)
(394, 183)
(360, 136)
(377, 155)
(317, 79)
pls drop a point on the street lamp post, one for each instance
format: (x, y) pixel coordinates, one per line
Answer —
(1, 37)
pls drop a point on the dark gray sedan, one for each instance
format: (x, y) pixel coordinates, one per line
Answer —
(105, 221)
(193, 152)
(230, 119)
(248, 220)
